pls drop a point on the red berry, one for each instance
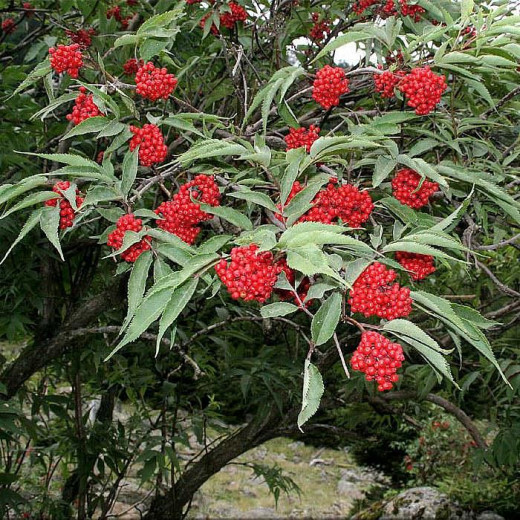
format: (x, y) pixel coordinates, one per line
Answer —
(329, 85)
(150, 140)
(413, 11)
(379, 359)
(181, 215)
(29, 9)
(386, 82)
(301, 290)
(132, 3)
(420, 266)
(131, 66)
(406, 189)
(423, 89)
(249, 275)
(373, 294)
(67, 213)
(236, 14)
(115, 239)
(320, 30)
(84, 108)
(202, 24)
(100, 157)
(154, 83)
(8, 25)
(82, 37)
(66, 58)
(302, 137)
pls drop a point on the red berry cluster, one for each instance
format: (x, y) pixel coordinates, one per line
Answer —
(132, 3)
(397, 57)
(343, 202)
(150, 140)
(301, 290)
(362, 5)
(115, 239)
(67, 213)
(405, 186)
(296, 188)
(214, 30)
(379, 359)
(181, 215)
(29, 9)
(420, 266)
(329, 85)
(302, 137)
(9, 25)
(423, 88)
(154, 83)
(228, 19)
(320, 29)
(250, 275)
(386, 82)
(132, 65)
(413, 11)
(374, 294)
(100, 157)
(83, 37)
(115, 12)
(84, 107)
(66, 58)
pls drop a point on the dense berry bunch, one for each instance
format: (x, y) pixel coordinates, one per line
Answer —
(228, 19)
(8, 26)
(344, 202)
(83, 37)
(413, 11)
(362, 5)
(154, 83)
(66, 58)
(214, 30)
(379, 359)
(420, 266)
(301, 290)
(132, 3)
(406, 189)
(29, 9)
(374, 294)
(84, 107)
(392, 58)
(320, 29)
(296, 188)
(116, 13)
(302, 137)
(115, 239)
(67, 213)
(423, 88)
(181, 215)
(150, 140)
(132, 65)
(100, 157)
(329, 85)
(250, 275)
(386, 82)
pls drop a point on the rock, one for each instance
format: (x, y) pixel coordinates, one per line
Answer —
(489, 515)
(260, 512)
(296, 445)
(350, 490)
(423, 503)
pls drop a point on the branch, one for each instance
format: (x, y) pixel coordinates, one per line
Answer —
(502, 102)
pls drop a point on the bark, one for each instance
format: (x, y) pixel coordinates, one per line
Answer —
(37, 356)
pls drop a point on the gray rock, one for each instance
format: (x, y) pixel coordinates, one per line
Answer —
(260, 512)
(350, 490)
(423, 503)
(489, 515)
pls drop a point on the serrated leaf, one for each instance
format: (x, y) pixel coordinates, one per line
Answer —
(278, 309)
(41, 70)
(256, 198)
(11, 191)
(31, 222)
(31, 200)
(50, 222)
(326, 319)
(231, 215)
(339, 41)
(383, 167)
(90, 125)
(130, 163)
(312, 392)
(408, 329)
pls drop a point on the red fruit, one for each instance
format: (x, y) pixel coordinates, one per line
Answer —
(302, 137)
(66, 58)
(329, 85)
(228, 19)
(181, 215)
(373, 294)
(114, 12)
(214, 30)
(423, 88)
(82, 37)
(132, 3)
(296, 188)
(29, 9)
(115, 239)
(413, 11)
(249, 275)
(320, 30)
(8, 25)
(131, 66)
(386, 82)
(301, 290)
(420, 266)
(100, 157)
(84, 108)
(406, 189)
(67, 213)
(150, 140)
(361, 5)
(154, 83)
(378, 359)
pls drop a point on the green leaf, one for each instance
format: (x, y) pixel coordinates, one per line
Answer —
(408, 329)
(90, 125)
(256, 198)
(31, 200)
(383, 168)
(278, 309)
(67, 158)
(231, 215)
(336, 43)
(41, 70)
(297, 233)
(326, 319)
(312, 392)
(10, 191)
(130, 163)
(310, 260)
(178, 301)
(294, 158)
(50, 222)
(32, 221)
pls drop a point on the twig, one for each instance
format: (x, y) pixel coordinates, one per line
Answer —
(338, 347)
